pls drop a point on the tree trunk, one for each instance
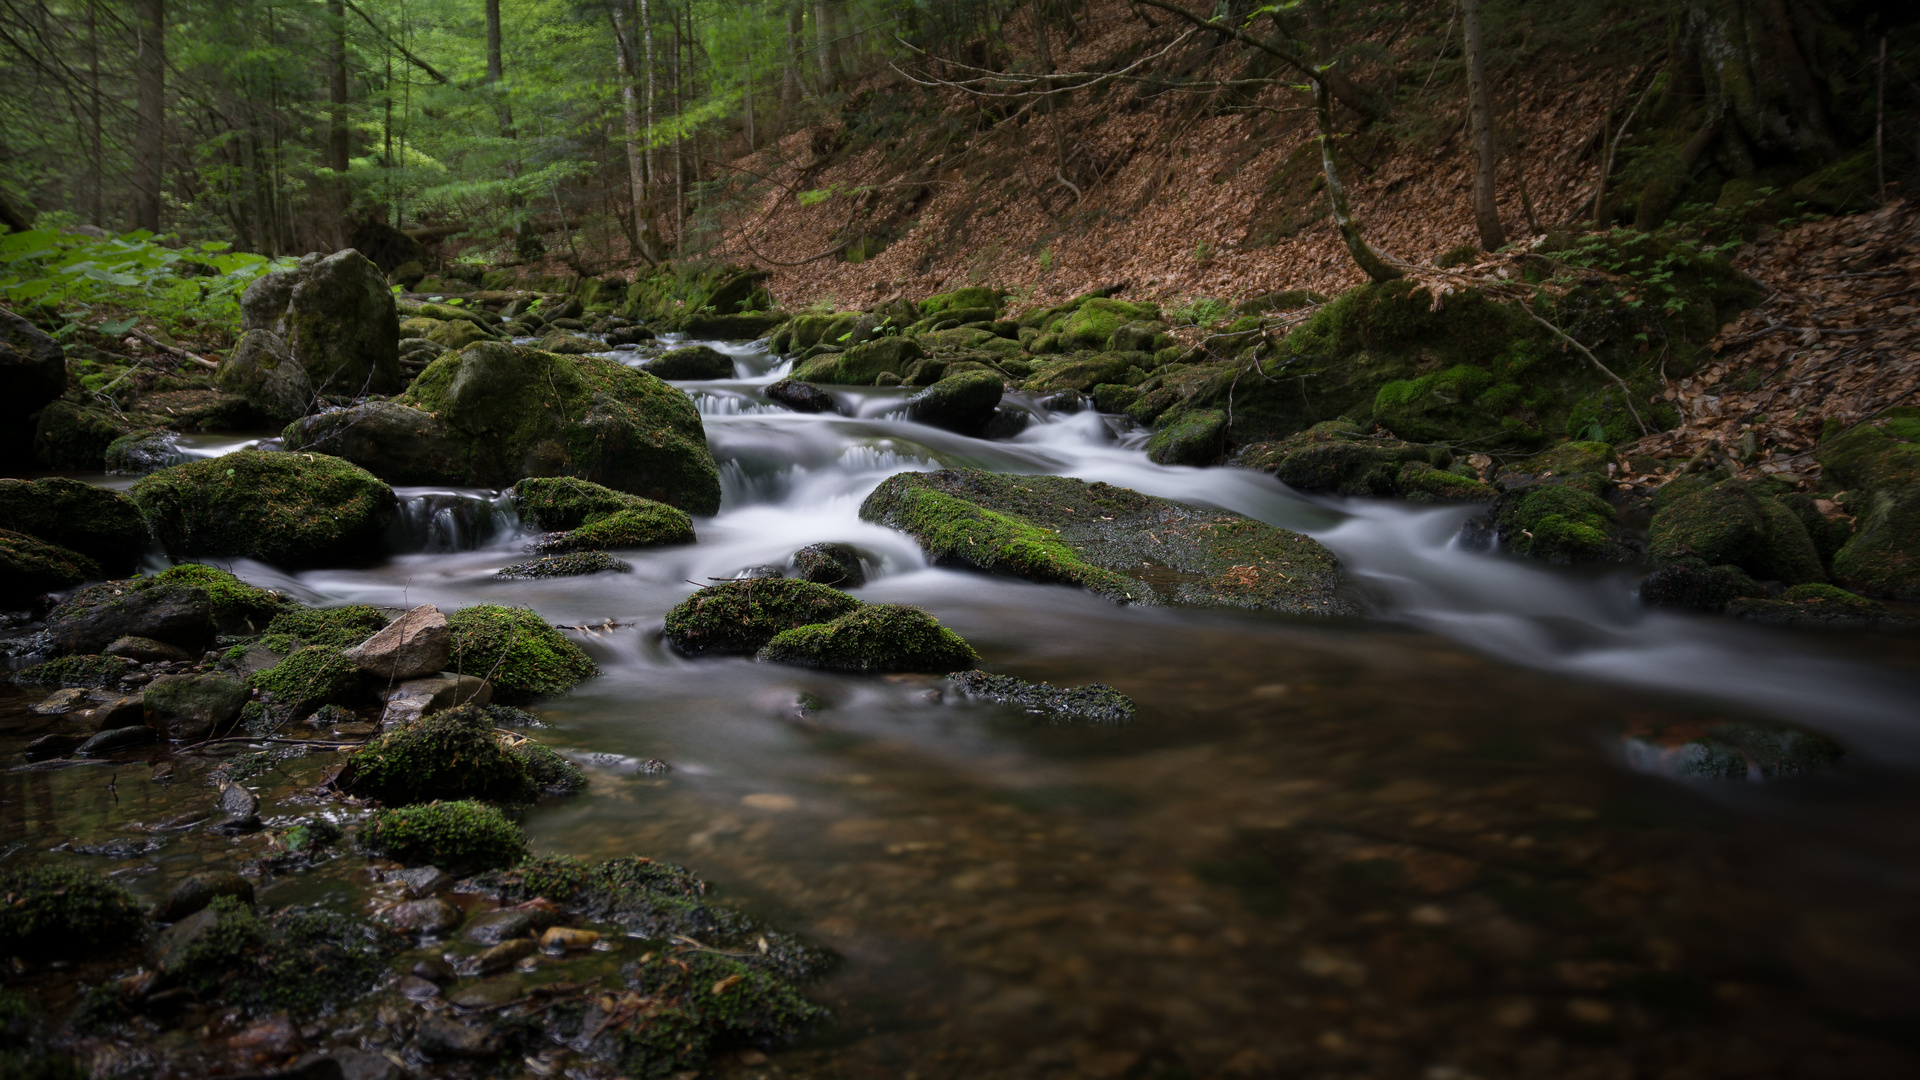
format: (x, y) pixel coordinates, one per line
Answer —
(96, 213)
(149, 140)
(1776, 64)
(1486, 208)
(790, 82)
(823, 44)
(747, 88)
(338, 138)
(1369, 260)
(635, 129)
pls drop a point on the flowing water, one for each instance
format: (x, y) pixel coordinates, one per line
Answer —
(1435, 842)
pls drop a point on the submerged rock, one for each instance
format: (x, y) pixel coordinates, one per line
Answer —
(575, 565)
(494, 413)
(336, 318)
(873, 639)
(1095, 702)
(691, 362)
(1113, 541)
(802, 397)
(742, 616)
(283, 508)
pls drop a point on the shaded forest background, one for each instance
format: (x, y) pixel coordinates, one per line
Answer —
(855, 145)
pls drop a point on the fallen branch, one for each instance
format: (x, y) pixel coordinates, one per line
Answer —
(172, 350)
(1626, 392)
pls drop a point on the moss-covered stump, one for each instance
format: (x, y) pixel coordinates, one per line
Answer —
(873, 639)
(1811, 605)
(282, 508)
(459, 837)
(308, 678)
(1336, 456)
(177, 612)
(1188, 437)
(1113, 541)
(31, 568)
(691, 362)
(54, 912)
(448, 755)
(1877, 465)
(100, 523)
(517, 651)
(961, 403)
(309, 962)
(237, 607)
(332, 628)
(742, 616)
(511, 412)
(1731, 523)
(863, 364)
(589, 517)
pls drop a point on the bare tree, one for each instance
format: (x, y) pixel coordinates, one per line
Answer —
(1486, 208)
(149, 140)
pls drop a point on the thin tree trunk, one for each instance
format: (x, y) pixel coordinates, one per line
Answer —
(1880, 122)
(338, 138)
(630, 116)
(1486, 208)
(747, 86)
(652, 161)
(149, 141)
(823, 44)
(790, 83)
(96, 214)
(1370, 261)
(1045, 50)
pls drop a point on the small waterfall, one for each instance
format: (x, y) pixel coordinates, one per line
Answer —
(439, 521)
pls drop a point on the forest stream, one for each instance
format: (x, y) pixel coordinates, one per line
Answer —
(1456, 836)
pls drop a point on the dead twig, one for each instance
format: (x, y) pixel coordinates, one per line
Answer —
(1626, 392)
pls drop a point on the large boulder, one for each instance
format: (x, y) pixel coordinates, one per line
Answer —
(100, 523)
(1129, 547)
(188, 708)
(262, 369)
(174, 612)
(962, 403)
(1188, 437)
(1730, 523)
(802, 397)
(584, 516)
(30, 567)
(336, 316)
(691, 362)
(69, 436)
(290, 509)
(1877, 465)
(494, 413)
(33, 372)
(862, 364)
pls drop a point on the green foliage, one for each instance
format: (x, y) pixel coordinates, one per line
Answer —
(517, 651)
(458, 837)
(447, 755)
(68, 671)
(128, 271)
(54, 912)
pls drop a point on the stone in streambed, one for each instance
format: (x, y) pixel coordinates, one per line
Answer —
(113, 739)
(31, 568)
(175, 613)
(431, 915)
(691, 362)
(1094, 702)
(413, 645)
(441, 1036)
(1129, 547)
(33, 372)
(1188, 437)
(1878, 465)
(505, 924)
(447, 755)
(262, 369)
(863, 364)
(146, 650)
(742, 616)
(126, 710)
(102, 524)
(837, 565)
(575, 565)
(802, 397)
(199, 890)
(337, 320)
(1731, 523)
(47, 747)
(53, 912)
(61, 702)
(143, 451)
(961, 403)
(1695, 587)
(188, 708)
(290, 509)
(589, 517)
(1813, 605)
(873, 639)
(1337, 456)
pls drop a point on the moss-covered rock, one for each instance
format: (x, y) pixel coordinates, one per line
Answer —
(1878, 465)
(1116, 542)
(176, 612)
(1697, 587)
(337, 318)
(308, 678)
(1335, 456)
(261, 369)
(141, 451)
(100, 523)
(593, 518)
(332, 628)
(69, 436)
(70, 671)
(971, 296)
(33, 373)
(577, 564)
(452, 754)
(309, 962)
(837, 565)
(517, 651)
(1188, 437)
(1561, 521)
(238, 608)
(742, 616)
(1730, 523)
(691, 362)
(494, 413)
(863, 364)
(458, 837)
(54, 912)
(1092, 324)
(873, 639)
(31, 567)
(962, 403)
(188, 708)
(546, 770)
(283, 508)
(1083, 372)
(1811, 605)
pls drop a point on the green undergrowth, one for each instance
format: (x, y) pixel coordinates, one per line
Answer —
(179, 288)
(332, 628)
(74, 671)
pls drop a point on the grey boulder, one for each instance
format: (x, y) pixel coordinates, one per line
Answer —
(413, 645)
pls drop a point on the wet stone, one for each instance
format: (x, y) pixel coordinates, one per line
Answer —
(802, 397)
(494, 927)
(421, 880)
(170, 946)
(504, 955)
(434, 969)
(414, 988)
(120, 712)
(61, 702)
(47, 747)
(106, 742)
(1094, 702)
(486, 994)
(837, 565)
(432, 915)
(196, 892)
(146, 650)
(442, 1036)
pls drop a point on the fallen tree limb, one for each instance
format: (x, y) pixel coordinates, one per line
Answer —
(172, 350)
(1626, 392)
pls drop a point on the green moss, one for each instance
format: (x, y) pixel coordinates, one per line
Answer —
(1559, 523)
(1085, 372)
(566, 502)
(559, 878)
(308, 678)
(283, 508)
(1335, 456)
(99, 523)
(1698, 587)
(332, 628)
(1812, 604)
(237, 606)
(585, 416)
(1879, 465)
(458, 837)
(53, 912)
(547, 770)
(71, 671)
(874, 639)
(650, 526)
(1420, 482)
(574, 565)
(517, 651)
(1188, 437)
(863, 364)
(70, 436)
(969, 297)
(742, 616)
(309, 962)
(1730, 524)
(692, 1021)
(691, 362)
(1114, 541)
(448, 755)
(30, 567)
(1092, 324)
(1114, 397)
(596, 517)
